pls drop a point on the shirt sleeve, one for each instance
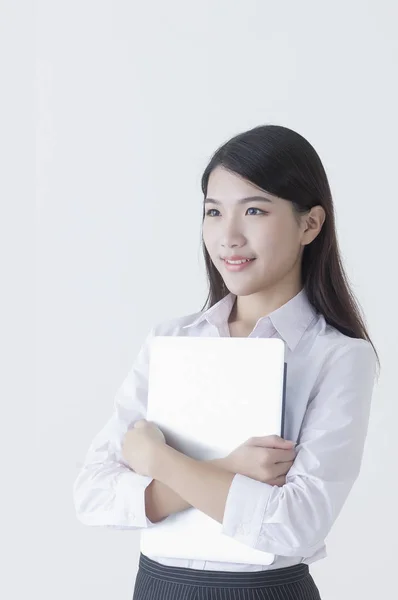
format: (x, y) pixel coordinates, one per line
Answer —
(107, 492)
(293, 520)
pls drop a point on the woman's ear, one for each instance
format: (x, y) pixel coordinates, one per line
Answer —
(312, 221)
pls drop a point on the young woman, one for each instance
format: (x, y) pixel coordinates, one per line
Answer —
(274, 270)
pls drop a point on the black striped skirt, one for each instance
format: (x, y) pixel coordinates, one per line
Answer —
(155, 581)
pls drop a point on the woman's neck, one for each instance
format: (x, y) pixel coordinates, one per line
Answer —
(247, 310)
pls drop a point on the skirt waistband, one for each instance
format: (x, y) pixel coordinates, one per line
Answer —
(232, 579)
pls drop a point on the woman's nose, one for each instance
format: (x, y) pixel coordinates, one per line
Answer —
(232, 237)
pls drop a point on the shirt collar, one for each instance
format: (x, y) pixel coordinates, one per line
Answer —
(290, 320)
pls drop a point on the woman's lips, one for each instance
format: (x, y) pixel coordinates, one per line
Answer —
(238, 267)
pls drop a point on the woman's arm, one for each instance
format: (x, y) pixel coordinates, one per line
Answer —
(106, 492)
(162, 501)
(201, 484)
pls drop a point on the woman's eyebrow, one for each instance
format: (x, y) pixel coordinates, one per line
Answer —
(241, 201)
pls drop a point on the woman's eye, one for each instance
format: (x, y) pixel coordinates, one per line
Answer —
(259, 210)
(212, 210)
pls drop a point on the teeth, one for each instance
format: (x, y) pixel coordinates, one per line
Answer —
(238, 262)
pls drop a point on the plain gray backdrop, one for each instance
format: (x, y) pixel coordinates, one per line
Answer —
(132, 98)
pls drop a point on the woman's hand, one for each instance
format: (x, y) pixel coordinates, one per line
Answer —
(140, 445)
(265, 459)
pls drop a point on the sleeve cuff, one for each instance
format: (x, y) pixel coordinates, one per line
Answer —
(246, 504)
(131, 495)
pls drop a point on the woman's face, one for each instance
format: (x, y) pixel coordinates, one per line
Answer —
(264, 228)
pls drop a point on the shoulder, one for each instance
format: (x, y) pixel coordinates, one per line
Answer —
(335, 343)
(174, 325)
(342, 353)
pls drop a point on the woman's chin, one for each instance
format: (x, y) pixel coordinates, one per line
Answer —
(242, 289)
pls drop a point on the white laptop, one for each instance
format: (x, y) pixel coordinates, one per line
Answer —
(209, 395)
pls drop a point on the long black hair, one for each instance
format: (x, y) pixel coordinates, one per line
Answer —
(280, 161)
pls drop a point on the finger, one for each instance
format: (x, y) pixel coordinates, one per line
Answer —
(141, 423)
(271, 441)
(282, 468)
(273, 456)
(280, 456)
(279, 481)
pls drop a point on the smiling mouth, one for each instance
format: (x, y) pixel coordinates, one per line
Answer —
(237, 266)
(238, 262)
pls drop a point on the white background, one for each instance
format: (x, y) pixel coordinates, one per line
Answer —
(132, 98)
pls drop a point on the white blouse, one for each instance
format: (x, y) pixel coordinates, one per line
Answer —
(330, 379)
